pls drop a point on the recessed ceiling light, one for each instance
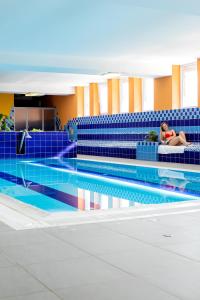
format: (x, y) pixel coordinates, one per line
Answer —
(33, 94)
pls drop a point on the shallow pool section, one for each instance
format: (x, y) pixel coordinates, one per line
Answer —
(56, 185)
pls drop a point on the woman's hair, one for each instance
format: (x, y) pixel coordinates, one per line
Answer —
(161, 125)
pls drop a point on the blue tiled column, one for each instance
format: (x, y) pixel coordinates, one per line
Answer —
(147, 151)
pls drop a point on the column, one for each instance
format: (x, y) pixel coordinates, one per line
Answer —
(94, 100)
(176, 86)
(135, 94)
(113, 96)
(80, 100)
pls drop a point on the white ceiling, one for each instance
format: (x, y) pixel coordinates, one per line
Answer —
(44, 83)
(52, 44)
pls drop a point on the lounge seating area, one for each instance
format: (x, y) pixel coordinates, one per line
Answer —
(120, 135)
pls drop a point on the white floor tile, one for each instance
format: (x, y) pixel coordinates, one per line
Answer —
(172, 273)
(74, 272)
(127, 289)
(14, 281)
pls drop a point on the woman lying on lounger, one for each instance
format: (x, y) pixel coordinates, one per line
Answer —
(169, 137)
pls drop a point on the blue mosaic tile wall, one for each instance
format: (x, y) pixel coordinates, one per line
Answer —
(136, 126)
(107, 151)
(41, 144)
(190, 156)
(113, 135)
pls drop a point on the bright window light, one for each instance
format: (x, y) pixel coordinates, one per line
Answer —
(104, 202)
(86, 101)
(124, 95)
(189, 85)
(147, 94)
(87, 199)
(103, 97)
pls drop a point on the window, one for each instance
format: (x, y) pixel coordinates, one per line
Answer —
(103, 97)
(124, 95)
(189, 85)
(147, 94)
(86, 101)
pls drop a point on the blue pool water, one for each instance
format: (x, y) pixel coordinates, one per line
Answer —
(72, 184)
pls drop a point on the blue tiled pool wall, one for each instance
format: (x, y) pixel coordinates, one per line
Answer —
(116, 135)
(41, 144)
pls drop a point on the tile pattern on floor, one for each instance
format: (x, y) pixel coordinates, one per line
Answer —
(153, 258)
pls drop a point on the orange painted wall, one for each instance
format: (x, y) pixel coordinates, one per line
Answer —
(79, 91)
(113, 96)
(6, 103)
(163, 93)
(176, 86)
(167, 90)
(66, 106)
(135, 94)
(94, 100)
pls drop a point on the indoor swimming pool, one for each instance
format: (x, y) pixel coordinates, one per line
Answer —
(57, 185)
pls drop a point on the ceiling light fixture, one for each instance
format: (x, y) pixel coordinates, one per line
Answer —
(33, 94)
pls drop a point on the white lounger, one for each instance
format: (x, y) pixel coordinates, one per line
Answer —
(165, 149)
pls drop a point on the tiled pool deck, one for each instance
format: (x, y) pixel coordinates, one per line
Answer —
(152, 254)
(154, 259)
